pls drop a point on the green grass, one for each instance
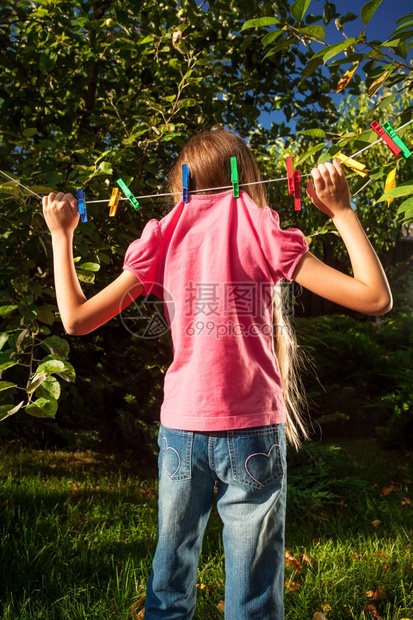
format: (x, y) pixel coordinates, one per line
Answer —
(78, 530)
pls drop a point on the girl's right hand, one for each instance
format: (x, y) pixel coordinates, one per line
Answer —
(61, 213)
(330, 193)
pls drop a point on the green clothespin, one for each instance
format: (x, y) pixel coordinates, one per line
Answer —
(234, 177)
(128, 193)
(396, 138)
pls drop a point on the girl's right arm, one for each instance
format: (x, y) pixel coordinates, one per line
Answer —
(368, 290)
(80, 315)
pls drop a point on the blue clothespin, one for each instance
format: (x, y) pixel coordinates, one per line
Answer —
(81, 203)
(128, 194)
(234, 177)
(185, 182)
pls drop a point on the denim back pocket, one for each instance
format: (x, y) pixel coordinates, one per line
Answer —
(257, 455)
(176, 453)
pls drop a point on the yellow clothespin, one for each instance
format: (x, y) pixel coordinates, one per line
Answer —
(114, 201)
(352, 163)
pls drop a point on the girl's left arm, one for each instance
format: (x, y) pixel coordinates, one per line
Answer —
(368, 290)
(80, 315)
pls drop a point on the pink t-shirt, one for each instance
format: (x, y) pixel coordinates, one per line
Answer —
(214, 262)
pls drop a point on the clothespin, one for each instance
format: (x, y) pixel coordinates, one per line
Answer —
(352, 163)
(396, 138)
(128, 194)
(185, 182)
(81, 203)
(114, 201)
(297, 191)
(290, 175)
(396, 150)
(234, 177)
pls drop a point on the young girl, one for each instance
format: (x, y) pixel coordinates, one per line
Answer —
(215, 261)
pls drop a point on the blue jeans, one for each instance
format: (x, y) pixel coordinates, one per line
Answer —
(249, 467)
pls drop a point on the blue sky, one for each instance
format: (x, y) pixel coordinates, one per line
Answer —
(383, 21)
(382, 24)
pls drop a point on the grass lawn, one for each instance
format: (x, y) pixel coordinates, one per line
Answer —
(78, 530)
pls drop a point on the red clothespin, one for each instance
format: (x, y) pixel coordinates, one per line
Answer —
(386, 138)
(290, 175)
(297, 191)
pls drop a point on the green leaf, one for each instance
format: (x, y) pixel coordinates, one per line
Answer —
(49, 387)
(46, 316)
(58, 367)
(311, 66)
(299, 8)
(271, 36)
(175, 64)
(105, 168)
(6, 385)
(3, 339)
(37, 379)
(9, 364)
(187, 103)
(407, 205)
(337, 48)
(86, 276)
(7, 410)
(43, 407)
(260, 22)
(6, 310)
(29, 132)
(281, 45)
(310, 152)
(368, 10)
(318, 32)
(401, 190)
(56, 346)
(89, 266)
(314, 133)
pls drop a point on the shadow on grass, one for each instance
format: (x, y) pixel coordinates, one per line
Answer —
(78, 532)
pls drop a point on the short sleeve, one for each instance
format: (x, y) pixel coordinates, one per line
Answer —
(283, 249)
(144, 258)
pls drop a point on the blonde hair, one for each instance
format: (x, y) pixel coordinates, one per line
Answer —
(208, 157)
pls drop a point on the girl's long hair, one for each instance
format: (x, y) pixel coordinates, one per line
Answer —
(208, 157)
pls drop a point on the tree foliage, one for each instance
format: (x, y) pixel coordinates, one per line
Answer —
(96, 90)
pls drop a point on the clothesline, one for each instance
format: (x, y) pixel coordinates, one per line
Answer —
(211, 188)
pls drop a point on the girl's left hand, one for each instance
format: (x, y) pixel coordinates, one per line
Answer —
(61, 213)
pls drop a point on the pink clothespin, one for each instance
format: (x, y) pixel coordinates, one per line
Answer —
(297, 191)
(386, 138)
(290, 175)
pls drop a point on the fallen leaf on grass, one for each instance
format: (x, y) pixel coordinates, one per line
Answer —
(319, 616)
(292, 585)
(305, 559)
(326, 608)
(376, 523)
(387, 490)
(377, 595)
(292, 561)
(356, 555)
(137, 607)
(221, 606)
(406, 500)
